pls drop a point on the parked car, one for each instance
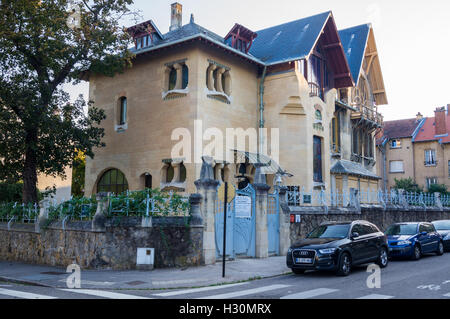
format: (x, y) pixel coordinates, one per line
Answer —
(443, 228)
(413, 240)
(337, 246)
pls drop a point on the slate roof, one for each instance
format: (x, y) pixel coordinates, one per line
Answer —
(354, 41)
(351, 168)
(400, 128)
(286, 42)
(289, 41)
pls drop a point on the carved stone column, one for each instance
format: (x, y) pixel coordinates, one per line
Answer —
(98, 223)
(262, 233)
(179, 68)
(285, 223)
(207, 188)
(219, 86)
(210, 72)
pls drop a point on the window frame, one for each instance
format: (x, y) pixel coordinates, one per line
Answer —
(396, 171)
(110, 187)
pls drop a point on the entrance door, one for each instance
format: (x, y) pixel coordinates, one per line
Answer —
(273, 223)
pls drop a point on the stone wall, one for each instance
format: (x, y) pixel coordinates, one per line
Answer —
(376, 215)
(176, 245)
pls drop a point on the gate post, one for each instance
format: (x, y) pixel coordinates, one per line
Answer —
(262, 233)
(207, 187)
(285, 223)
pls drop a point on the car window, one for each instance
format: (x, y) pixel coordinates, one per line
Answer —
(330, 231)
(374, 229)
(430, 228)
(367, 229)
(442, 225)
(357, 228)
(401, 229)
(422, 228)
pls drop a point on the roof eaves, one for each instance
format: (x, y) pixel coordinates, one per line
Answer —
(167, 44)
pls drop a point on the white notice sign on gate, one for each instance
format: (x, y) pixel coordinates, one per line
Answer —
(243, 207)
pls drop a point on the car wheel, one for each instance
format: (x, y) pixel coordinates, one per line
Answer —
(440, 250)
(345, 265)
(383, 258)
(417, 254)
(298, 271)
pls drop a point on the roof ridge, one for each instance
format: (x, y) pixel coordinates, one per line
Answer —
(286, 23)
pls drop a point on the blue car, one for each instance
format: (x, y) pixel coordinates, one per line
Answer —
(412, 240)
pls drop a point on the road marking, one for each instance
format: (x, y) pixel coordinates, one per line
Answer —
(194, 290)
(310, 293)
(376, 296)
(104, 294)
(23, 295)
(93, 283)
(246, 292)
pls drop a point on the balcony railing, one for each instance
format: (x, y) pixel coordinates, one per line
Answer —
(315, 90)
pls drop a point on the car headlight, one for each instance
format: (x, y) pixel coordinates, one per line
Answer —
(447, 237)
(327, 251)
(290, 250)
(404, 243)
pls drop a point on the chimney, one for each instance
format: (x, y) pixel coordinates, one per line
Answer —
(176, 16)
(419, 117)
(440, 121)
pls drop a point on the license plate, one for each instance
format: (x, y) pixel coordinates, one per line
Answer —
(304, 261)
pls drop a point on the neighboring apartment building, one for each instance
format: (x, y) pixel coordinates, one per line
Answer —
(318, 86)
(416, 148)
(395, 150)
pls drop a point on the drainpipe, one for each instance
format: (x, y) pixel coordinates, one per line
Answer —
(261, 112)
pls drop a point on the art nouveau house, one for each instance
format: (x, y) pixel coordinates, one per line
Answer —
(318, 86)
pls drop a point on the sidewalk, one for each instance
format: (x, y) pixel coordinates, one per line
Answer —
(238, 270)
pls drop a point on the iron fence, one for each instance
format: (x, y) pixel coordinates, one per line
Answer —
(297, 196)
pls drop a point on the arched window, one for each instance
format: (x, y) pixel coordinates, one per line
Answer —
(318, 115)
(182, 173)
(122, 110)
(185, 72)
(172, 79)
(113, 181)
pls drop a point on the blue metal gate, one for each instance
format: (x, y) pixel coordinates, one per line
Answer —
(273, 223)
(241, 230)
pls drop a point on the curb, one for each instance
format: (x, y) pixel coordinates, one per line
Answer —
(24, 282)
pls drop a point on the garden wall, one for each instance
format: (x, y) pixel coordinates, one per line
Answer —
(310, 219)
(176, 244)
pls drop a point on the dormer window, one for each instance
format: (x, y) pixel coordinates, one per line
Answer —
(144, 34)
(240, 38)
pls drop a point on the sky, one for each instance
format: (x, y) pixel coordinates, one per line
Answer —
(413, 39)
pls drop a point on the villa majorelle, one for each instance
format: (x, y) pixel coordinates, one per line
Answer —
(319, 86)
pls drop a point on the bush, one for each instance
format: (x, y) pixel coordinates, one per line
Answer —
(11, 192)
(408, 185)
(438, 188)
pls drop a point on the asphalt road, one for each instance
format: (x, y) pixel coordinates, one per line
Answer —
(428, 278)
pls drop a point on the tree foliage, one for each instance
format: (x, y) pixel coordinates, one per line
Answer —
(78, 172)
(41, 130)
(407, 184)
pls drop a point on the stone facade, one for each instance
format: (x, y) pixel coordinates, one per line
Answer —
(244, 86)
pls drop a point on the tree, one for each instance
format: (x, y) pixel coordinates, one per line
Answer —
(408, 185)
(79, 168)
(44, 45)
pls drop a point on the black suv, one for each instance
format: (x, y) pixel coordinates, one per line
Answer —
(337, 246)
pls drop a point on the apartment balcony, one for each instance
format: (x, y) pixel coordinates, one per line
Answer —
(367, 114)
(315, 90)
